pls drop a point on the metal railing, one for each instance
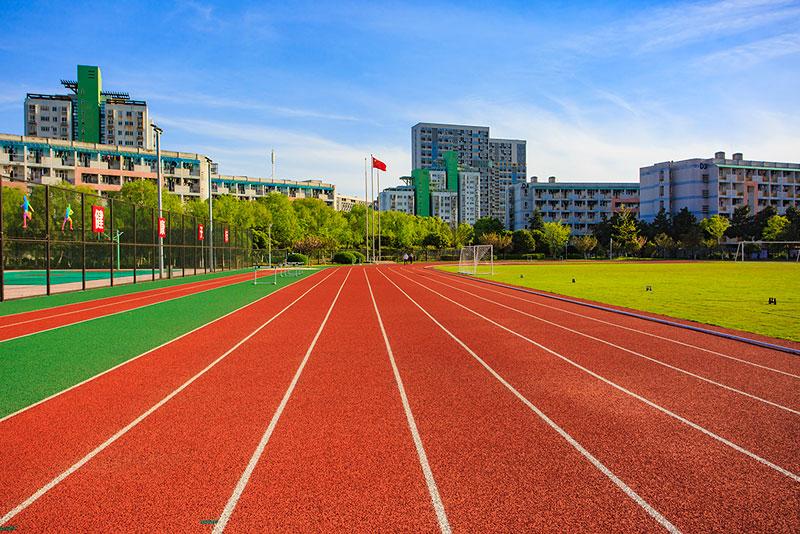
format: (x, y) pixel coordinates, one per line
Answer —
(69, 240)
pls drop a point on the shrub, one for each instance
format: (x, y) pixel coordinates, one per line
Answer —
(344, 258)
(296, 257)
(359, 256)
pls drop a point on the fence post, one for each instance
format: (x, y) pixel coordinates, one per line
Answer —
(111, 230)
(135, 258)
(83, 241)
(2, 246)
(169, 243)
(47, 234)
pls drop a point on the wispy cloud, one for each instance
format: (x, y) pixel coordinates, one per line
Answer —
(243, 148)
(749, 54)
(675, 26)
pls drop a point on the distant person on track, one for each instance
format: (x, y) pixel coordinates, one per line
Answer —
(405, 258)
(411, 258)
(67, 217)
(27, 211)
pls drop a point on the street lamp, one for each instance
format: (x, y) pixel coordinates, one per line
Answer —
(158, 131)
(269, 243)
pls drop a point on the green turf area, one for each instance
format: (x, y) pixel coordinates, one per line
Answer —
(63, 276)
(36, 303)
(37, 366)
(732, 295)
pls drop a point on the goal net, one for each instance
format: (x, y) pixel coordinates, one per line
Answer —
(759, 249)
(476, 259)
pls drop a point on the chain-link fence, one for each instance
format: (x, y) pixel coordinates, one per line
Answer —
(55, 239)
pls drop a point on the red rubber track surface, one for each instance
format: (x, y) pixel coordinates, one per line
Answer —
(177, 467)
(777, 387)
(45, 440)
(342, 456)
(26, 323)
(696, 482)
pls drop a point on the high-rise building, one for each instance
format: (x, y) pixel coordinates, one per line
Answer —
(581, 205)
(499, 162)
(89, 114)
(717, 186)
(400, 198)
(508, 166)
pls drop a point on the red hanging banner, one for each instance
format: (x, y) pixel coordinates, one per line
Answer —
(162, 227)
(98, 219)
(201, 232)
(226, 235)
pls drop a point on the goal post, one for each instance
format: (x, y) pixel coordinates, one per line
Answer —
(790, 246)
(476, 259)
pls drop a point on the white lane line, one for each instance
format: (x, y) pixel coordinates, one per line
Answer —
(147, 293)
(576, 314)
(652, 512)
(610, 344)
(126, 362)
(262, 444)
(100, 448)
(616, 386)
(433, 490)
(113, 313)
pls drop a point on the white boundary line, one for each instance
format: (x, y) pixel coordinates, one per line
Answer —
(652, 512)
(100, 448)
(433, 490)
(610, 344)
(536, 303)
(108, 314)
(98, 375)
(262, 444)
(616, 386)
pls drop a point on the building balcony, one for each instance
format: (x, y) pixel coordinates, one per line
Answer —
(94, 164)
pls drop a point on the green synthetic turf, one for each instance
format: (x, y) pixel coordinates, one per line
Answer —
(37, 366)
(44, 301)
(38, 277)
(727, 294)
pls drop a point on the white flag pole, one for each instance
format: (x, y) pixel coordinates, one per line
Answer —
(366, 212)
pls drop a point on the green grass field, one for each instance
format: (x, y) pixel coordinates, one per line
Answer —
(732, 295)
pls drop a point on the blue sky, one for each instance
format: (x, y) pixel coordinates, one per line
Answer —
(597, 88)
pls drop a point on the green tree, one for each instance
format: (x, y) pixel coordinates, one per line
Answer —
(776, 227)
(715, 227)
(523, 242)
(664, 243)
(555, 235)
(536, 221)
(463, 235)
(145, 193)
(486, 225)
(500, 242)
(741, 223)
(584, 244)
(625, 231)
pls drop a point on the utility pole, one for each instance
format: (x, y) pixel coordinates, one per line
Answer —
(269, 243)
(158, 131)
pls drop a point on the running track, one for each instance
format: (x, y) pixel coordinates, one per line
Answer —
(27, 323)
(397, 398)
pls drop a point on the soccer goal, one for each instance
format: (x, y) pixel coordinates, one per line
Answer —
(476, 259)
(792, 248)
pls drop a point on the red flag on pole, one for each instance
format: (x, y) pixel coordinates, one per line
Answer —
(378, 164)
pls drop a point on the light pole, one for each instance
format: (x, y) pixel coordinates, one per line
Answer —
(158, 131)
(210, 222)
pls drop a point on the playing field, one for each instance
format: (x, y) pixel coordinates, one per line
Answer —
(731, 295)
(384, 399)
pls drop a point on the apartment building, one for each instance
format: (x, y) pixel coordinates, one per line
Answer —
(347, 202)
(101, 167)
(580, 205)
(89, 114)
(251, 188)
(106, 168)
(718, 185)
(400, 198)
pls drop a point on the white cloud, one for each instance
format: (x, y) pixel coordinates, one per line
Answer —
(749, 54)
